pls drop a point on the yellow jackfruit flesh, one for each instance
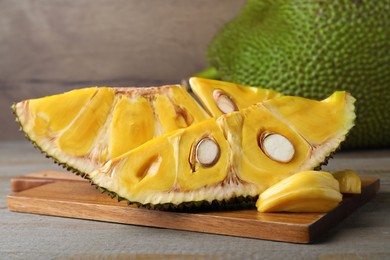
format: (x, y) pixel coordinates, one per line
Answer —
(308, 191)
(349, 181)
(240, 154)
(219, 97)
(84, 128)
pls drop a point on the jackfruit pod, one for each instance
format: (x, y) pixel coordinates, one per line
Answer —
(82, 129)
(308, 191)
(349, 181)
(220, 97)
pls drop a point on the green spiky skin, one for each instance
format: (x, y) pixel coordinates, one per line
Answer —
(310, 49)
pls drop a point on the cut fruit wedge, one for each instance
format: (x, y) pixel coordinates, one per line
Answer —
(220, 97)
(84, 128)
(240, 154)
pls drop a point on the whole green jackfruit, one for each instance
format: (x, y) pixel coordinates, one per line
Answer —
(311, 49)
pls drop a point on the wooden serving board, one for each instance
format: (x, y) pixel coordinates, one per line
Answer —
(63, 194)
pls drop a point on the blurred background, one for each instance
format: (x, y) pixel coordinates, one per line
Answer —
(53, 46)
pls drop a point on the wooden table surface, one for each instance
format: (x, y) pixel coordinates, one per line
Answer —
(364, 234)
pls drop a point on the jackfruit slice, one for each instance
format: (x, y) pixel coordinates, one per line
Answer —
(240, 154)
(82, 129)
(308, 191)
(220, 97)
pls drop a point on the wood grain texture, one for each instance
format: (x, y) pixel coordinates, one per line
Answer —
(36, 179)
(51, 46)
(77, 199)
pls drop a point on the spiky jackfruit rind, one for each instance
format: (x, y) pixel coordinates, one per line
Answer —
(235, 203)
(290, 46)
